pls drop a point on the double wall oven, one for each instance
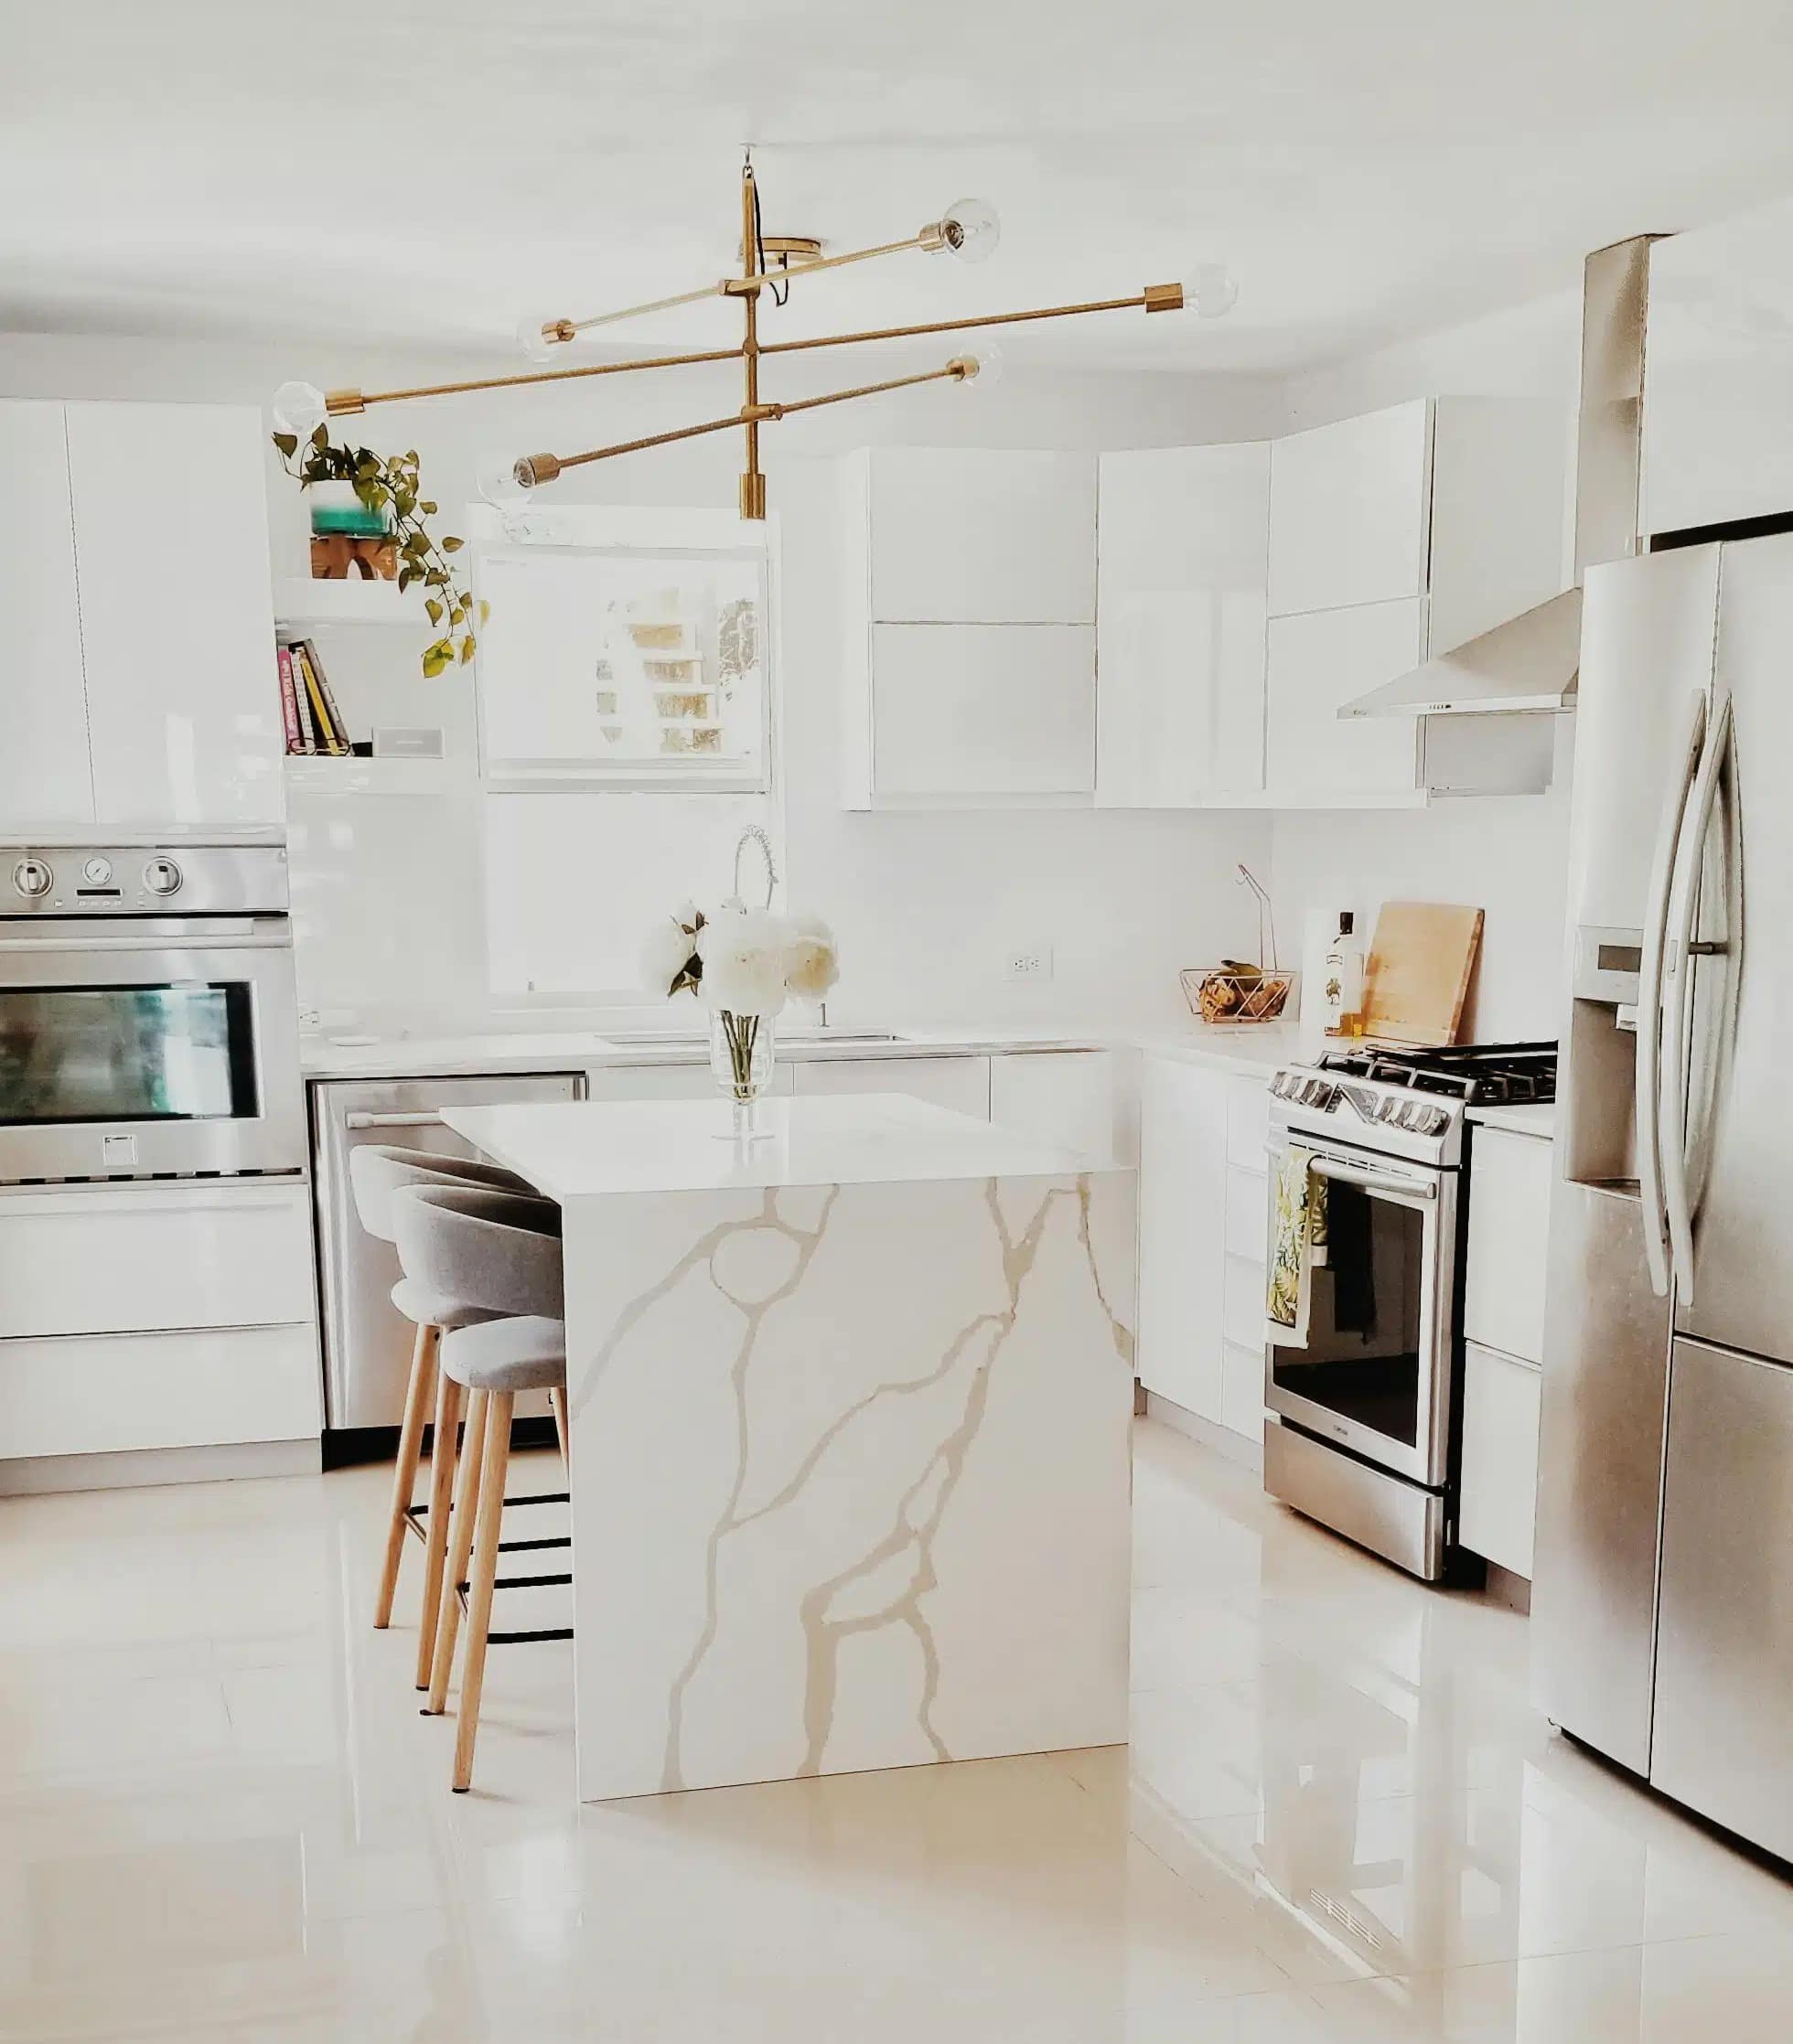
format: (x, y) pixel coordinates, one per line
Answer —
(1365, 1410)
(148, 1026)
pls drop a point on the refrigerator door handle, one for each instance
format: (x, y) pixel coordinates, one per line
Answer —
(1684, 899)
(1647, 1108)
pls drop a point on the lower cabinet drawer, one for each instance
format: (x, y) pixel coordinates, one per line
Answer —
(105, 1259)
(1242, 1318)
(92, 1395)
(1242, 1385)
(1499, 1458)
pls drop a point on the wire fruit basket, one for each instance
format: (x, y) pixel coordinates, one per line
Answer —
(1234, 992)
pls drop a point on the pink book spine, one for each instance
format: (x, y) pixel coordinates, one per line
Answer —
(289, 702)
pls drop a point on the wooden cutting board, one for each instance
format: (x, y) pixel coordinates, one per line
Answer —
(1416, 978)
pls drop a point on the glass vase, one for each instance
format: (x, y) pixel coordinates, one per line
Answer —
(741, 1054)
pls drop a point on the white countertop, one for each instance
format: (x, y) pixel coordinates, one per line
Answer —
(1529, 1118)
(588, 1149)
(1248, 1050)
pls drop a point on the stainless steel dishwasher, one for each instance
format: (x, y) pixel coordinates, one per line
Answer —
(367, 1341)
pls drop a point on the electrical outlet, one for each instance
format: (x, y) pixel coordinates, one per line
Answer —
(1034, 963)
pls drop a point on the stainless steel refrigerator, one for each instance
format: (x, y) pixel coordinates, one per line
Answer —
(1662, 1599)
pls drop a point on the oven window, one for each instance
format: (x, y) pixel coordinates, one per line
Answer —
(125, 1054)
(1362, 1359)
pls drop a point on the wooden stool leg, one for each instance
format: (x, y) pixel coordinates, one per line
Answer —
(435, 1527)
(460, 1547)
(485, 1572)
(557, 1401)
(417, 1390)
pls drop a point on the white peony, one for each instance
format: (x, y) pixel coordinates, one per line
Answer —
(665, 956)
(812, 964)
(743, 952)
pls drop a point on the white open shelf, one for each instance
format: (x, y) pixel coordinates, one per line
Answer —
(301, 601)
(319, 776)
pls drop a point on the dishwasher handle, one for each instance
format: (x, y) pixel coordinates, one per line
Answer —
(426, 1120)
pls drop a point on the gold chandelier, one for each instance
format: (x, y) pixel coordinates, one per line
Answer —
(769, 264)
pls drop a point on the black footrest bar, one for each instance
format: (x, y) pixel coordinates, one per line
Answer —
(523, 1547)
(517, 1639)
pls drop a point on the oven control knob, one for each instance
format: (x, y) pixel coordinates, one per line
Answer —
(162, 876)
(32, 877)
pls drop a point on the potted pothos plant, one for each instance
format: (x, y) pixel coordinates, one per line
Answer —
(388, 485)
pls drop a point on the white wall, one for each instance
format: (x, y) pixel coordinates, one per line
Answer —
(387, 894)
(1508, 857)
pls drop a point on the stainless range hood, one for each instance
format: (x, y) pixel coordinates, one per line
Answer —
(1530, 662)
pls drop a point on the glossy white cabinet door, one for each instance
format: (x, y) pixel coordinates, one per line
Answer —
(1718, 372)
(964, 711)
(176, 619)
(960, 1083)
(1182, 1238)
(1509, 1227)
(981, 536)
(1088, 1100)
(1349, 510)
(1323, 658)
(1500, 1398)
(1182, 546)
(45, 778)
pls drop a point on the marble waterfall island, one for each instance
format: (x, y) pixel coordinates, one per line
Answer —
(850, 1415)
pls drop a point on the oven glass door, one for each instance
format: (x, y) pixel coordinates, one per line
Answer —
(1374, 1374)
(176, 1052)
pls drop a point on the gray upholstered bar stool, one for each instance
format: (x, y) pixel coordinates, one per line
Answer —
(478, 1246)
(377, 1173)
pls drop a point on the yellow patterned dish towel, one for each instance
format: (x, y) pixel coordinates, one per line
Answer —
(1301, 1243)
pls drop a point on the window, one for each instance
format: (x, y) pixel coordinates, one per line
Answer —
(613, 653)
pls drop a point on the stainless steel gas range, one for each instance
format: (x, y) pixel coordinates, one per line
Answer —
(1363, 1433)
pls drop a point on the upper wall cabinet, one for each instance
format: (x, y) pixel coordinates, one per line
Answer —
(1718, 373)
(970, 620)
(1182, 546)
(136, 576)
(1348, 511)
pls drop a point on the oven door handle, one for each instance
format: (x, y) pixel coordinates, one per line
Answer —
(1366, 1181)
(224, 935)
(358, 1121)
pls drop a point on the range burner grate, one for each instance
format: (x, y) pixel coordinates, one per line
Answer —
(1491, 1074)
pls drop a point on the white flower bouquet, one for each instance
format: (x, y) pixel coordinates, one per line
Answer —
(743, 964)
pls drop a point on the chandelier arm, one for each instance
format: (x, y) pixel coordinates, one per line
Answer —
(756, 415)
(338, 403)
(1144, 298)
(717, 290)
(752, 281)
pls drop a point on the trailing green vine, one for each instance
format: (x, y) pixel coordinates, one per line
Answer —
(389, 485)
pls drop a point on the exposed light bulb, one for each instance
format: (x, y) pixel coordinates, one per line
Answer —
(971, 230)
(983, 366)
(540, 333)
(299, 408)
(1210, 291)
(504, 479)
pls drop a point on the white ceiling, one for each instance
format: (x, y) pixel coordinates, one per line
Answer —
(427, 169)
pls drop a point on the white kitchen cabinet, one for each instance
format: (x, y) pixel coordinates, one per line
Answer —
(960, 1083)
(668, 1082)
(45, 776)
(1317, 661)
(1499, 1493)
(1088, 1100)
(979, 536)
(1182, 546)
(969, 668)
(177, 622)
(1348, 511)
(960, 711)
(1509, 1216)
(1718, 373)
(1182, 1235)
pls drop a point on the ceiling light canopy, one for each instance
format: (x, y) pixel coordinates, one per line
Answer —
(968, 230)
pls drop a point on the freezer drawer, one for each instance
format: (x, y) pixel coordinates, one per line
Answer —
(367, 1341)
(1723, 1742)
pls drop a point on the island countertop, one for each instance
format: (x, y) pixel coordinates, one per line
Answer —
(588, 1148)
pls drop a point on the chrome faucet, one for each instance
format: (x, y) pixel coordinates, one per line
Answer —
(752, 834)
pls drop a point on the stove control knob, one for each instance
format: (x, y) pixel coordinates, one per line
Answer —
(32, 878)
(162, 876)
(97, 872)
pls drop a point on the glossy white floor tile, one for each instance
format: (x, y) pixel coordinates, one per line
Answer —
(222, 1818)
